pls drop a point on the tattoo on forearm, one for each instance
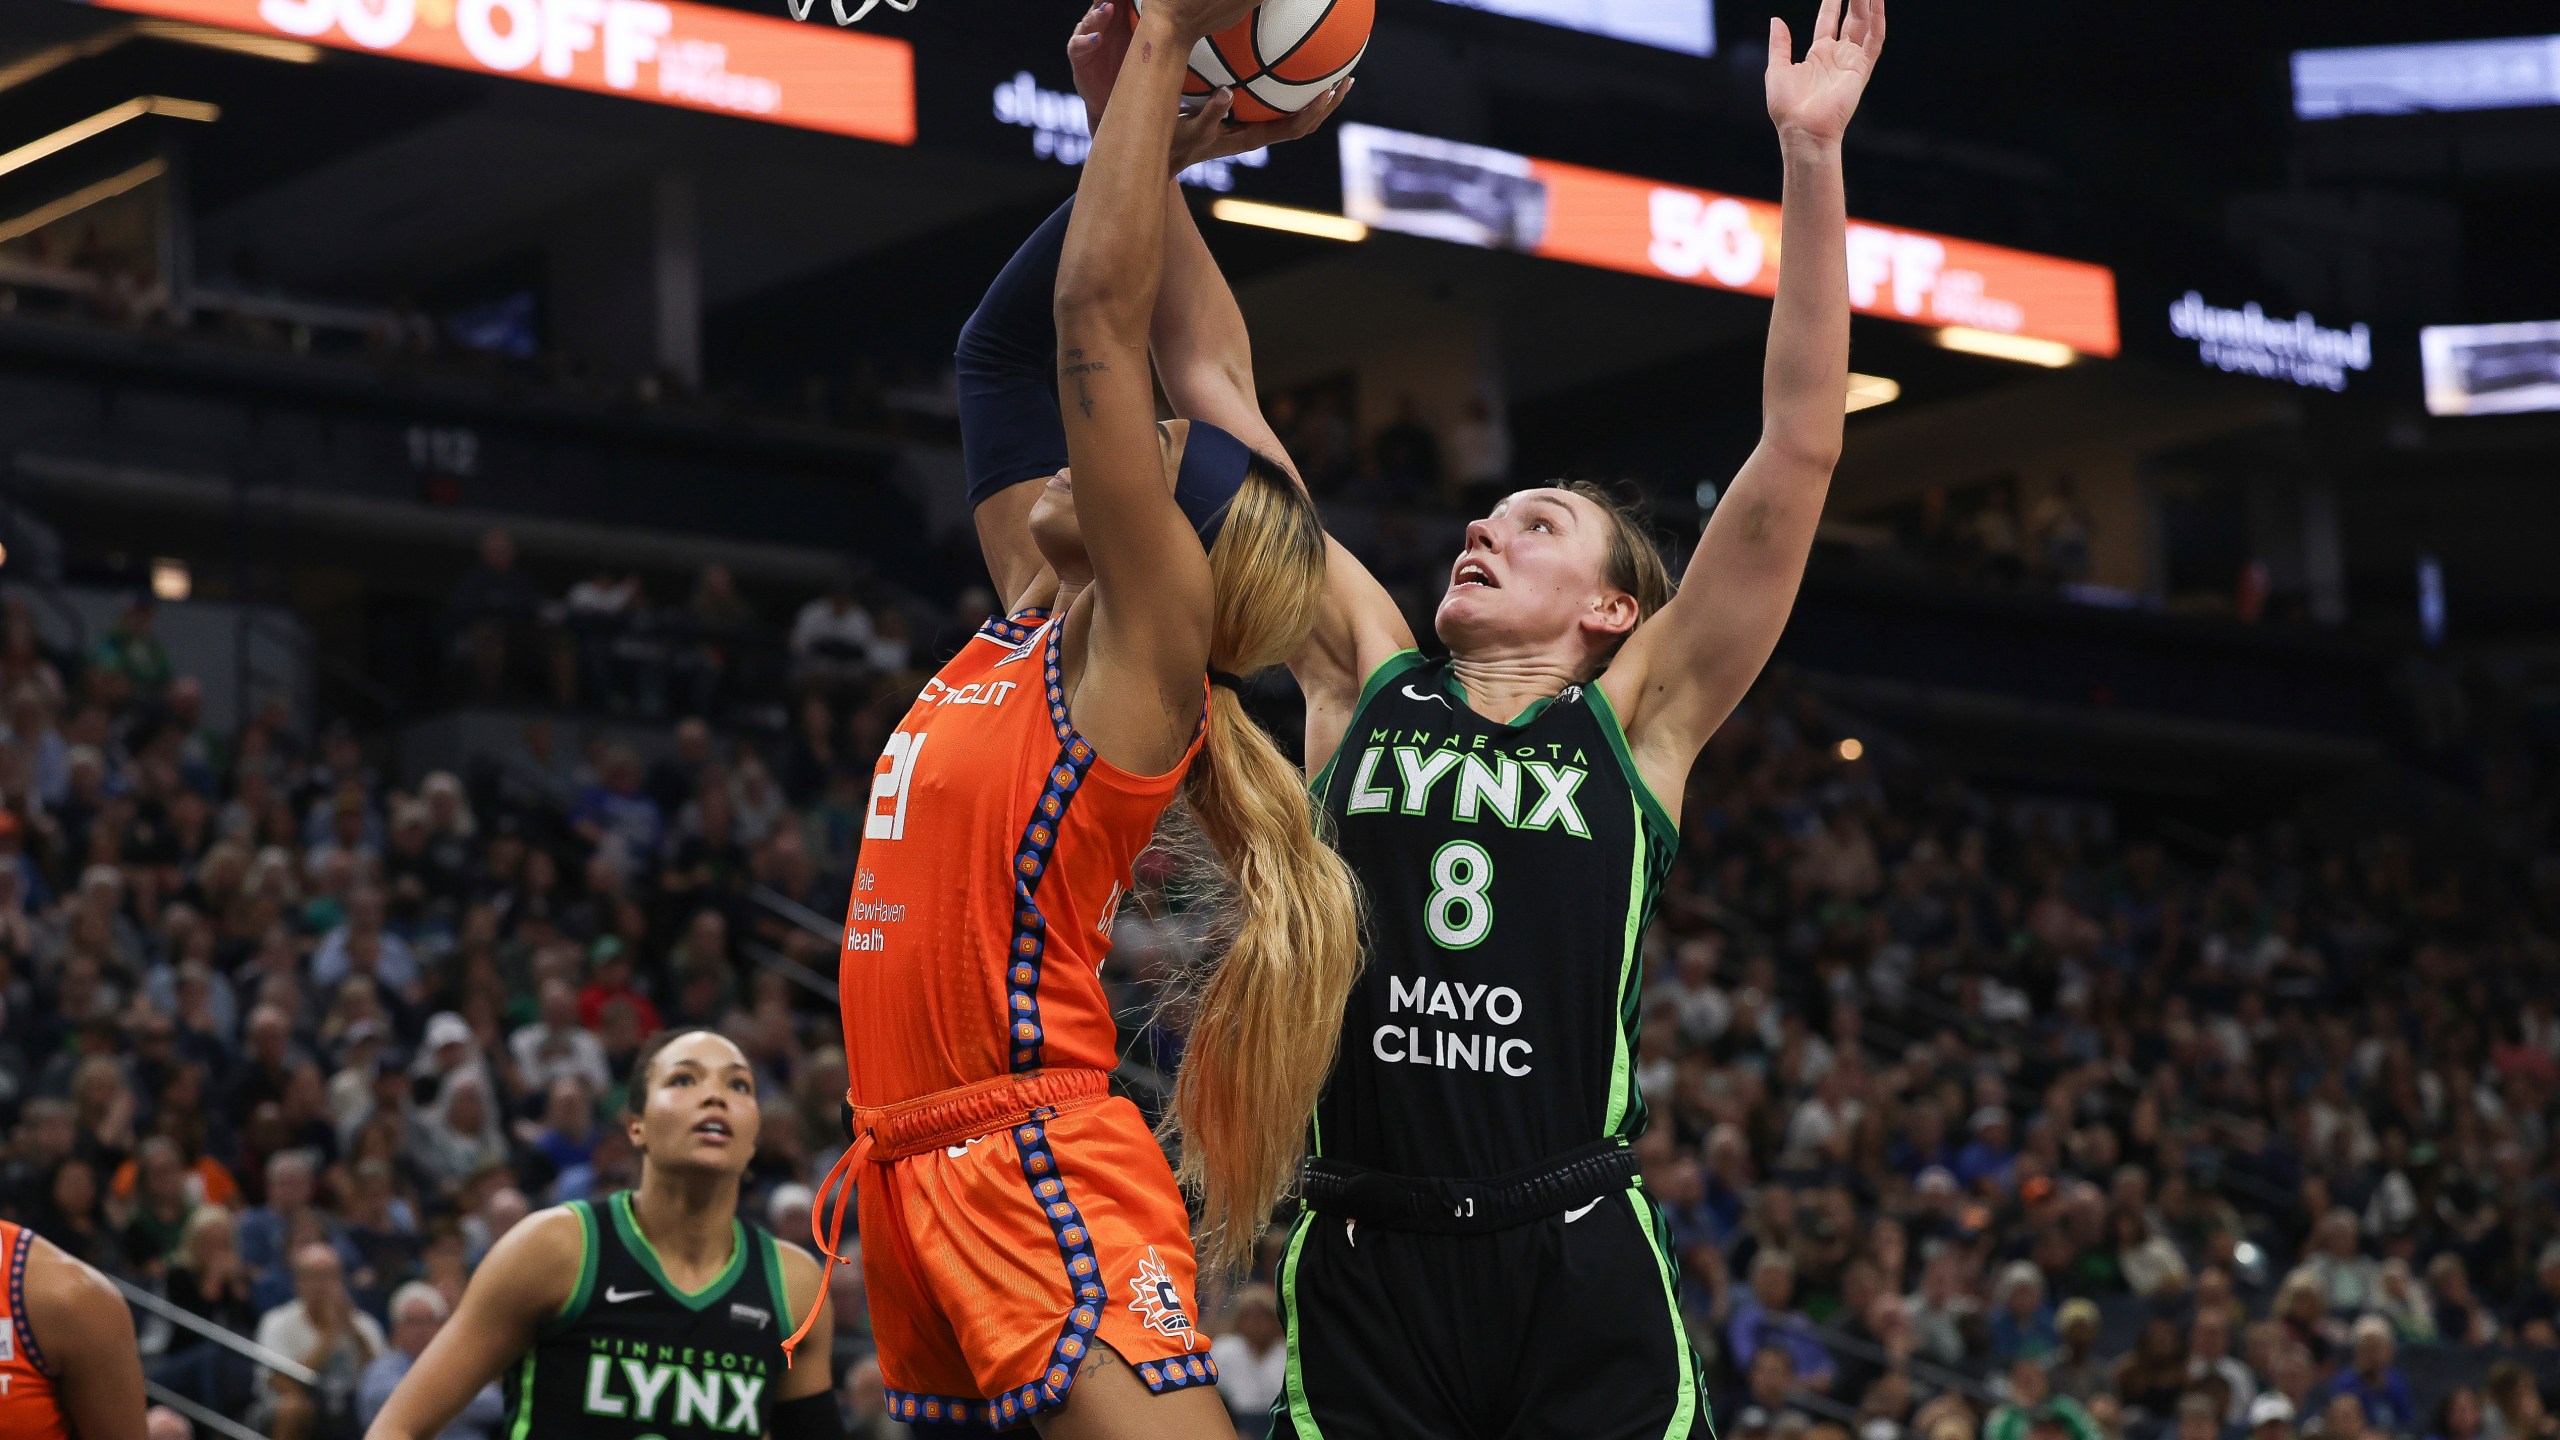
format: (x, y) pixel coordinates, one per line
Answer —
(1078, 368)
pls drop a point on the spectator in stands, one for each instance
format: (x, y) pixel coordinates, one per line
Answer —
(1253, 1360)
(1762, 1317)
(1988, 1157)
(492, 615)
(2153, 1377)
(558, 1046)
(1770, 1392)
(160, 1208)
(2271, 1417)
(322, 1330)
(2460, 1317)
(2022, 1324)
(162, 1423)
(361, 945)
(2303, 1312)
(602, 614)
(2150, 1264)
(609, 986)
(2350, 1281)
(2074, 1369)
(2458, 1416)
(2342, 1418)
(417, 1313)
(2209, 1356)
(831, 641)
(2541, 1304)
(2374, 1381)
(131, 654)
(865, 1402)
(616, 809)
(2032, 1410)
(2515, 1410)
(723, 628)
(207, 1279)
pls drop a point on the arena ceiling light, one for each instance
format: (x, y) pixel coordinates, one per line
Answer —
(104, 121)
(1866, 392)
(81, 199)
(2052, 354)
(238, 42)
(1296, 222)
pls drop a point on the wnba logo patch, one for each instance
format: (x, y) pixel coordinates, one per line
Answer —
(1158, 1302)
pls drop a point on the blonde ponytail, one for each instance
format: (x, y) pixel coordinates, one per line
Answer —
(1265, 1016)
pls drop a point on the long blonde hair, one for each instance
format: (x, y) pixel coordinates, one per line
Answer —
(1265, 1015)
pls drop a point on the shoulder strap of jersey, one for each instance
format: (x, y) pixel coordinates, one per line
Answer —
(590, 1240)
(771, 1250)
(1607, 715)
(20, 1243)
(1389, 670)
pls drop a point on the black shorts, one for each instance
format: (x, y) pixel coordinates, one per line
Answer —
(1565, 1327)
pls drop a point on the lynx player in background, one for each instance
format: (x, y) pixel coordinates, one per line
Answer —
(1477, 1256)
(652, 1312)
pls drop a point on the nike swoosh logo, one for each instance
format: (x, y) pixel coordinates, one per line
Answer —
(1572, 1215)
(616, 1297)
(1412, 694)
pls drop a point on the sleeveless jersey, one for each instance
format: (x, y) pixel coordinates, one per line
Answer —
(29, 1408)
(630, 1355)
(1510, 871)
(995, 850)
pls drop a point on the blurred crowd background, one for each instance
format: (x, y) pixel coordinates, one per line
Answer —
(1973, 1119)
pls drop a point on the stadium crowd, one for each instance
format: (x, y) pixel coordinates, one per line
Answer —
(1971, 1120)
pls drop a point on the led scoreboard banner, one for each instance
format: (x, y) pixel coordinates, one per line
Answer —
(1496, 200)
(672, 52)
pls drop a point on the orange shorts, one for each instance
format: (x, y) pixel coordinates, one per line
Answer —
(994, 1265)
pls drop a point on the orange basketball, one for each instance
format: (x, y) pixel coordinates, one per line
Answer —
(1284, 55)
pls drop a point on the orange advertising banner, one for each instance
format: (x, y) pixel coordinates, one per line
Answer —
(1473, 195)
(700, 57)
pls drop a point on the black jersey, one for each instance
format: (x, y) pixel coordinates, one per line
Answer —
(1510, 871)
(631, 1355)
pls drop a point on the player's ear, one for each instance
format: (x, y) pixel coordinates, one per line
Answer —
(1615, 613)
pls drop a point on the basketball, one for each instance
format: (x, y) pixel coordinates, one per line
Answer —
(1283, 56)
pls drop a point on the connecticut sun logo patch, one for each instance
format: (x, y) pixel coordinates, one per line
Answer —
(1158, 1303)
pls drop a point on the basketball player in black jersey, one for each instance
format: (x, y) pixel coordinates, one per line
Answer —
(1476, 1257)
(651, 1313)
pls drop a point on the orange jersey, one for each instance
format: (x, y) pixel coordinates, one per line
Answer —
(29, 1408)
(996, 847)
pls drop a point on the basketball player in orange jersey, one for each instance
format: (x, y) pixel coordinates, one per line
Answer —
(1026, 1247)
(1476, 1256)
(69, 1369)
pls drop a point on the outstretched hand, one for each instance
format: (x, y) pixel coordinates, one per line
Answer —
(1101, 42)
(1814, 97)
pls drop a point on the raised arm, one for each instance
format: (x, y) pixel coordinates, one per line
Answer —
(1204, 359)
(1148, 645)
(528, 1277)
(1686, 668)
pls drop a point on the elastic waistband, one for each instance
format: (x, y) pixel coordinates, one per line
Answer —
(1444, 1206)
(947, 1117)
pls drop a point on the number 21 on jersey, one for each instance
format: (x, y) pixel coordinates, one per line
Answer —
(887, 816)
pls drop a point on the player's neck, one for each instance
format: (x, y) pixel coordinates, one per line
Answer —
(686, 1217)
(1499, 686)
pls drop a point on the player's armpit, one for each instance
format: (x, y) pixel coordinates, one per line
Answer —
(82, 1323)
